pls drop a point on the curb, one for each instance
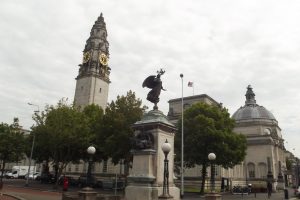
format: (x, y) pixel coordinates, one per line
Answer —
(13, 196)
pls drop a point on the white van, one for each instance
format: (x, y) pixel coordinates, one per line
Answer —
(19, 172)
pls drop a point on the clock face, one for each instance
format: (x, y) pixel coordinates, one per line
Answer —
(103, 59)
(86, 57)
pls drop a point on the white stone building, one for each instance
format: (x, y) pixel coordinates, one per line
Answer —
(265, 159)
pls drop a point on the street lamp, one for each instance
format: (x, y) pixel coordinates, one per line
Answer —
(91, 151)
(166, 148)
(32, 145)
(182, 143)
(211, 158)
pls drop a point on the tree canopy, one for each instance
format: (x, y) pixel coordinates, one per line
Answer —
(208, 129)
(12, 143)
(64, 132)
(118, 118)
(61, 135)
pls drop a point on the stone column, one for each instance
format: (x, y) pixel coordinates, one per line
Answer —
(280, 180)
(146, 178)
(270, 174)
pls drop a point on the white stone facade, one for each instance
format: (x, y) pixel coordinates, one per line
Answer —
(264, 142)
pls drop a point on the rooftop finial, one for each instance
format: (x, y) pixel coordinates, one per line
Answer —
(250, 96)
(100, 18)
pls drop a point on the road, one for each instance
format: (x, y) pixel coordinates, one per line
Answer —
(37, 191)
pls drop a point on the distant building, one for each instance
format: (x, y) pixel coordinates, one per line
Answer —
(175, 105)
(265, 159)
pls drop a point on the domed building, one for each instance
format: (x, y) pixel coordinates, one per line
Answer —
(265, 159)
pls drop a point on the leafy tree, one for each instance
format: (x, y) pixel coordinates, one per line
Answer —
(12, 144)
(62, 136)
(209, 129)
(94, 116)
(117, 131)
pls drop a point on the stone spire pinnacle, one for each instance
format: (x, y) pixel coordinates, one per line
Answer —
(250, 96)
(96, 52)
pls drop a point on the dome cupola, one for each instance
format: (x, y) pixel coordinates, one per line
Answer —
(252, 111)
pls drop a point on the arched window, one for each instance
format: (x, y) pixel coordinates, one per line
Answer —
(251, 170)
(262, 170)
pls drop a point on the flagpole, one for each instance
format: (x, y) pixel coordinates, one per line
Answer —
(182, 138)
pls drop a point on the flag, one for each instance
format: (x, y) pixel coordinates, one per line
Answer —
(190, 84)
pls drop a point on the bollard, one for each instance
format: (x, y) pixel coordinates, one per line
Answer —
(286, 194)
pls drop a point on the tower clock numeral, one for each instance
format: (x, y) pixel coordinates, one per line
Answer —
(86, 57)
(103, 59)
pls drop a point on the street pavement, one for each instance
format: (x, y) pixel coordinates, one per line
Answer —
(37, 191)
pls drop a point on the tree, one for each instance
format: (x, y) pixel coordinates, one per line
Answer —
(117, 131)
(207, 129)
(12, 144)
(94, 116)
(62, 136)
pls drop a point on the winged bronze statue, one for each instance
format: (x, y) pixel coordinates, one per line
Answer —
(154, 83)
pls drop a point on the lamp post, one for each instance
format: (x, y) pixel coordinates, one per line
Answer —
(91, 151)
(182, 143)
(166, 148)
(32, 146)
(211, 158)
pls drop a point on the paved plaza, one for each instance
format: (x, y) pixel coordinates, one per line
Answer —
(37, 191)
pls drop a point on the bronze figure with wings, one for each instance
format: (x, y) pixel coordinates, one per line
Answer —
(154, 83)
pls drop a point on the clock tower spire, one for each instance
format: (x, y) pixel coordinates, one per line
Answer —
(92, 82)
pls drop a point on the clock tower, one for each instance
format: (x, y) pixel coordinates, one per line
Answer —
(92, 82)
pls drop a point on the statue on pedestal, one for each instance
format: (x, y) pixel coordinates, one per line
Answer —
(154, 83)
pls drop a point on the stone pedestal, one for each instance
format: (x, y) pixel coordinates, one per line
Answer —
(213, 196)
(146, 178)
(87, 193)
(280, 182)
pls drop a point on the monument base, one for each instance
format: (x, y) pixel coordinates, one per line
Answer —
(213, 196)
(280, 185)
(87, 193)
(137, 192)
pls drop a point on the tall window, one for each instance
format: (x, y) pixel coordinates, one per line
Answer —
(104, 166)
(76, 168)
(216, 168)
(262, 170)
(251, 170)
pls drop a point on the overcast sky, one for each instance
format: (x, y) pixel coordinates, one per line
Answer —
(222, 46)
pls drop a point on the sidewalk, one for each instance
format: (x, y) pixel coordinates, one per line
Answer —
(28, 194)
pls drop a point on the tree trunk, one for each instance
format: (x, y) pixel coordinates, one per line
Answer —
(126, 170)
(56, 178)
(2, 170)
(203, 172)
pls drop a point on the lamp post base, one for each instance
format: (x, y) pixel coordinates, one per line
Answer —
(213, 196)
(87, 193)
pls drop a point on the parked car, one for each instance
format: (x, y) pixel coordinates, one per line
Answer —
(72, 180)
(8, 174)
(47, 178)
(33, 176)
(297, 191)
(82, 182)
